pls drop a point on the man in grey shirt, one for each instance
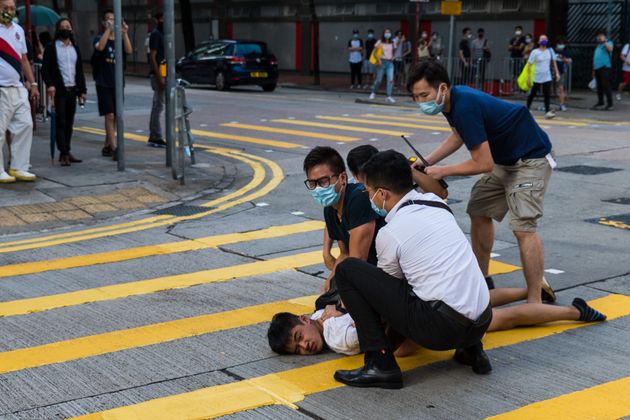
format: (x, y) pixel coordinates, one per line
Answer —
(479, 49)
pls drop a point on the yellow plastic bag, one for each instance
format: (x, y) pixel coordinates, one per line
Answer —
(522, 78)
(376, 55)
(163, 69)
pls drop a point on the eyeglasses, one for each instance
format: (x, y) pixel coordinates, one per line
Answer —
(323, 182)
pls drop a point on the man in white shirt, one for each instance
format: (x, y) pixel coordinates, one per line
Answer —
(15, 109)
(307, 335)
(625, 81)
(427, 286)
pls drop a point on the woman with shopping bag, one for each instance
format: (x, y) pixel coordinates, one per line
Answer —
(383, 58)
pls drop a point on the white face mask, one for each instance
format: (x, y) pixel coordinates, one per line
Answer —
(518, 33)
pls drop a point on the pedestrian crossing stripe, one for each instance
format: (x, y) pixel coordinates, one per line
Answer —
(441, 122)
(179, 281)
(608, 401)
(342, 127)
(299, 133)
(98, 344)
(388, 123)
(157, 249)
(292, 386)
(109, 342)
(246, 139)
(240, 196)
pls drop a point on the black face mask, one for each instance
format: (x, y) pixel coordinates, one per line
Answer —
(65, 33)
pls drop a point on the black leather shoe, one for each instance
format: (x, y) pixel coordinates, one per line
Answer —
(73, 159)
(474, 356)
(370, 376)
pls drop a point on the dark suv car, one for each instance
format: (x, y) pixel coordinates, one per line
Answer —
(226, 63)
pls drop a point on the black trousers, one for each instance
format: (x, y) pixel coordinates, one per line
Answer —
(373, 297)
(602, 76)
(65, 106)
(355, 73)
(546, 88)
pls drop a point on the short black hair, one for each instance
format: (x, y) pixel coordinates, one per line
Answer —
(466, 29)
(371, 31)
(324, 155)
(601, 32)
(430, 70)
(279, 331)
(107, 11)
(158, 15)
(561, 39)
(481, 30)
(518, 27)
(358, 156)
(390, 170)
(355, 31)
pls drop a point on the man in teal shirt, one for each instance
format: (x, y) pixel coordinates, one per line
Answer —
(602, 71)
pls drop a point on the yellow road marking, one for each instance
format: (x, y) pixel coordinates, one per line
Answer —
(290, 132)
(608, 401)
(246, 139)
(393, 124)
(292, 386)
(432, 120)
(342, 127)
(440, 121)
(88, 346)
(252, 160)
(142, 287)
(158, 249)
(613, 223)
(94, 345)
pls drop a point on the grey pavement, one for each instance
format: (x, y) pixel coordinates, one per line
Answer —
(587, 259)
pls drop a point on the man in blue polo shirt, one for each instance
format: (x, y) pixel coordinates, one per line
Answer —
(509, 148)
(602, 71)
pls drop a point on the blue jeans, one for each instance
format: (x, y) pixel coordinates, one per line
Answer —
(387, 67)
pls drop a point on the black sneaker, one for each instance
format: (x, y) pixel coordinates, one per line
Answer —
(107, 151)
(587, 314)
(597, 107)
(609, 108)
(156, 143)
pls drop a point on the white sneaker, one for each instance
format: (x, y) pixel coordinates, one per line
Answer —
(563, 107)
(619, 96)
(549, 115)
(5, 178)
(372, 96)
(351, 86)
(390, 100)
(22, 175)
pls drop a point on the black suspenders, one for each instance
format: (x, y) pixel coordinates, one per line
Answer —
(438, 204)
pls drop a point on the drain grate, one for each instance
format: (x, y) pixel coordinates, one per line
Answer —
(619, 200)
(588, 170)
(182, 210)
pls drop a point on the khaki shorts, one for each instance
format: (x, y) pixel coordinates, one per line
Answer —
(518, 189)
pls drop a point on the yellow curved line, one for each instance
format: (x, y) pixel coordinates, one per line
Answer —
(259, 176)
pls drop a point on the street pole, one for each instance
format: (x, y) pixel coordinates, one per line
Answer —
(118, 75)
(416, 42)
(451, 45)
(169, 49)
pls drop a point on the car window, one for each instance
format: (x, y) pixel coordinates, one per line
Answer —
(217, 49)
(200, 51)
(250, 50)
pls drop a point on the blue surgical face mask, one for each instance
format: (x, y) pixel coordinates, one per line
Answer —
(560, 47)
(355, 36)
(326, 196)
(381, 212)
(433, 107)
(370, 35)
(387, 35)
(544, 43)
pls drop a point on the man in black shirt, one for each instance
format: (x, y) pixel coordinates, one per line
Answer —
(349, 217)
(369, 69)
(465, 68)
(156, 57)
(516, 47)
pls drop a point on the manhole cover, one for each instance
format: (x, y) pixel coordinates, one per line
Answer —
(620, 200)
(620, 221)
(182, 210)
(588, 170)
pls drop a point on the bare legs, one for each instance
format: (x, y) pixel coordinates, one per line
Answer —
(110, 131)
(482, 236)
(530, 314)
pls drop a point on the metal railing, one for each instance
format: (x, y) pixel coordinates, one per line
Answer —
(40, 107)
(183, 145)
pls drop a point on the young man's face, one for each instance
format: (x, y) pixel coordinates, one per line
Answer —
(108, 20)
(424, 92)
(305, 339)
(326, 176)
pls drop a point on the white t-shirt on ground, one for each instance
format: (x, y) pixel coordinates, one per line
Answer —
(542, 62)
(15, 41)
(425, 246)
(340, 334)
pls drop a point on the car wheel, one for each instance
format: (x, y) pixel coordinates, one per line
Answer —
(221, 82)
(269, 88)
